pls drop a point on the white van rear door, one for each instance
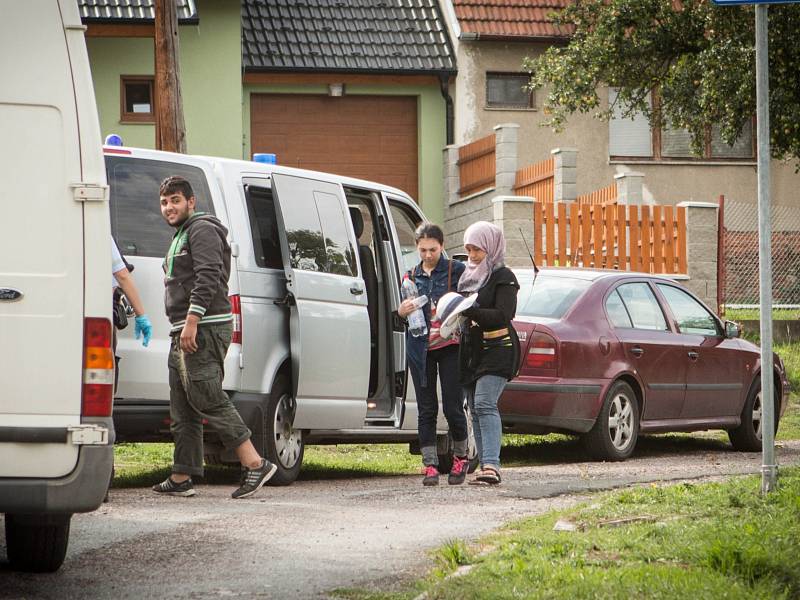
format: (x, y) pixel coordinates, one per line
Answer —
(329, 324)
(42, 238)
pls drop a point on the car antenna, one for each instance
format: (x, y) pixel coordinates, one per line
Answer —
(533, 262)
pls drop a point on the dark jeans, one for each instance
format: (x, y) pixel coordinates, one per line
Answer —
(196, 394)
(444, 363)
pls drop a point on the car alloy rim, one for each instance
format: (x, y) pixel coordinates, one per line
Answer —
(620, 422)
(287, 438)
(756, 414)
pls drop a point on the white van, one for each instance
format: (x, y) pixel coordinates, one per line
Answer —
(318, 353)
(56, 362)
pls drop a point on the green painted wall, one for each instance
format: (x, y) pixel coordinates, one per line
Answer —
(211, 67)
(431, 132)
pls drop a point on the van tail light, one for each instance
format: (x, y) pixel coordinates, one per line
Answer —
(236, 309)
(542, 352)
(98, 368)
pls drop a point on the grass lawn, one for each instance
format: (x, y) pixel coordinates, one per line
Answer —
(778, 314)
(717, 540)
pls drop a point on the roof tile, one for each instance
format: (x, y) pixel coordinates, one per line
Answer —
(115, 11)
(510, 18)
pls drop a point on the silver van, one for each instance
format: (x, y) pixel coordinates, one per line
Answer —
(56, 362)
(318, 354)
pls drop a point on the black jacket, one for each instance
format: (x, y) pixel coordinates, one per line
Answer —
(495, 353)
(197, 268)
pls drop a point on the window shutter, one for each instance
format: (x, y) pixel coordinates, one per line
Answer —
(628, 136)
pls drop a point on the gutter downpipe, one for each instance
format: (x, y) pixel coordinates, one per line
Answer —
(444, 82)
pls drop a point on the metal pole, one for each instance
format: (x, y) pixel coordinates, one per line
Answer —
(769, 470)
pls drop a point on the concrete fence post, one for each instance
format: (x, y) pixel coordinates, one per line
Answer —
(505, 156)
(629, 187)
(514, 215)
(565, 176)
(452, 179)
(701, 249)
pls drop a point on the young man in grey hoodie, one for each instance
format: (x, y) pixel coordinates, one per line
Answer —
(196, 270)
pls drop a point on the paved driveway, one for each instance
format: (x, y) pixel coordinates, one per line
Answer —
(315, 536)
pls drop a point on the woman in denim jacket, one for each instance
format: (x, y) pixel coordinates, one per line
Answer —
(431, 356)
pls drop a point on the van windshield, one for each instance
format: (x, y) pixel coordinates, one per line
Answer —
(551, 297)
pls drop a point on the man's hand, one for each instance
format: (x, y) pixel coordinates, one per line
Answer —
(406, 308)
(143, 329)
(189, 334)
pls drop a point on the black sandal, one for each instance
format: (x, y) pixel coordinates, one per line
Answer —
(488, 475)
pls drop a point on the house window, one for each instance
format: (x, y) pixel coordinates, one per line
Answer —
(508, 90)
(136, 99)
(632, 137)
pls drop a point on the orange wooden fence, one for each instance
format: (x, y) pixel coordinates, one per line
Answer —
(476, 166)
(606, 195)
(651, 239)
(537, 180)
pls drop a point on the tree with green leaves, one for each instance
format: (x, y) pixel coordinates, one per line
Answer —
(698, 58)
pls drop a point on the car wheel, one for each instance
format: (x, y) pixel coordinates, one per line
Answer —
(446, 460)
(616, 429)
(282, 443)
(37, 543)
(747, 437)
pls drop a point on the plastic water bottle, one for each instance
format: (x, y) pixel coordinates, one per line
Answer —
(416, 320)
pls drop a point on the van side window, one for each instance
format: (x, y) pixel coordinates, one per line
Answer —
(405, 223)
(316, 231)
(136, 220)
(264, 227)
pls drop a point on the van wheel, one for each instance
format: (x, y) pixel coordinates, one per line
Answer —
(747, 437)
(616, 429)
(37, 543)
(282, 443)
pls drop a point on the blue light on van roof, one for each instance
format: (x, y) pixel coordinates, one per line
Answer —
(112, 139)
(266, 158)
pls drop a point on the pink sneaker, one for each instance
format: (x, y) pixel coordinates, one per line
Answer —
(431, 475)
(458, 472)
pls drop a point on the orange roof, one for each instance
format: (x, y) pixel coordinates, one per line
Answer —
(510, 18)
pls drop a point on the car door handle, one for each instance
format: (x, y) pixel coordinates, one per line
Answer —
(693, 355)
(356, 291)
(637, 351)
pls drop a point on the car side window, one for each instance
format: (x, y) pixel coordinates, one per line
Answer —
(642, 306)
(406, 224)
(691, 316)
(264, 227)
(316, 231)
(617, 313)
(136, 220)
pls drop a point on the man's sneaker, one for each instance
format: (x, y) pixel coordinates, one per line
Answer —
(253, 479)
(170, 488)
(458, 472)
(431, 475)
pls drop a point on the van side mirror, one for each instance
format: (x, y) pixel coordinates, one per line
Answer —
(731, 329)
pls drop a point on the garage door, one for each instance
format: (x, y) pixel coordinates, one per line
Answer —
(369, 137)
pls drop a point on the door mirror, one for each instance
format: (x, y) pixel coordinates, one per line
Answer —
(731, 329)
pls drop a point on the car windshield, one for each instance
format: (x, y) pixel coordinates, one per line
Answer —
(551, 297)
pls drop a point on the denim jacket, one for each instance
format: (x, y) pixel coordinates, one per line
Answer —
(434, 286)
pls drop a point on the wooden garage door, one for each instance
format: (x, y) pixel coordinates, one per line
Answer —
(369, 137)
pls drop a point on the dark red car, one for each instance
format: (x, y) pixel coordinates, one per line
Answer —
(609, 354)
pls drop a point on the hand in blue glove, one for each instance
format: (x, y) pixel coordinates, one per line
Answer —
(143, 328)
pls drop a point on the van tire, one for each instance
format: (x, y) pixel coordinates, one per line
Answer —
(281, 443)
(37, 543)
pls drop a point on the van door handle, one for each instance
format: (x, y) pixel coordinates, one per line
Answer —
(693, 355)
(636, 351)
(356, 291)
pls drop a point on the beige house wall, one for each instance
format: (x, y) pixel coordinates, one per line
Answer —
(664, 183)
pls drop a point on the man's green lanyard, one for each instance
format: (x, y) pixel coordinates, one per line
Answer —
(177, 242)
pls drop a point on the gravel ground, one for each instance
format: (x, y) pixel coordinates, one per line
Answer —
(315, 536)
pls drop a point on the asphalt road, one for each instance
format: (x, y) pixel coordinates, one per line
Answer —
(315, 536)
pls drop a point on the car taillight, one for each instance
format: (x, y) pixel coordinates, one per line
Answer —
(236, 309)
(98, 368)
(542, 352)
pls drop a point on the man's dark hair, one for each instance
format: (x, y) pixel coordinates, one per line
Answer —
(430, 231)
(175, 185)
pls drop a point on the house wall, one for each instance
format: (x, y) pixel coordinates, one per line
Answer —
(210, 63)
(431, 130)
(665, 183)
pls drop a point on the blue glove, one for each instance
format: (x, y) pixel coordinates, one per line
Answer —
(143, 328)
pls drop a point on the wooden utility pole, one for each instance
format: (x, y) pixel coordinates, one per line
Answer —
(170, 128)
